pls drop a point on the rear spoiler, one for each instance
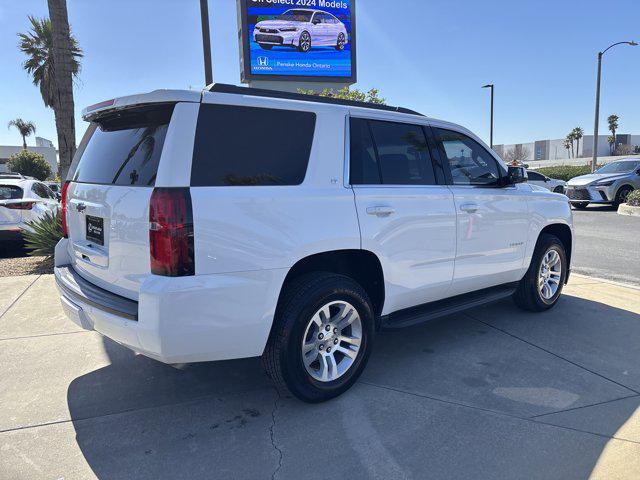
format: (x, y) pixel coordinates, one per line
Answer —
(157, 96)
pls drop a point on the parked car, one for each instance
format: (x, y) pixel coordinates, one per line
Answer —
(22, 200)
(610, 184)
(228, 236)
(552, 184)
(302, 29)
(55, 188)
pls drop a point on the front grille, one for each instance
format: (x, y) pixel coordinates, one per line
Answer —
(578, 194)
(269, 38)
(268, 30)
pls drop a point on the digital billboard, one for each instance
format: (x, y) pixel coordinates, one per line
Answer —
(311, 40)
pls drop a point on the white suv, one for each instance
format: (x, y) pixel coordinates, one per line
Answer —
(198, 229)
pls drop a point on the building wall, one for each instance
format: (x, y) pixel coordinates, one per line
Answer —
(49, 154)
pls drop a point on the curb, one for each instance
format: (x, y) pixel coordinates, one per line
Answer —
(604, 280)
(628, 210)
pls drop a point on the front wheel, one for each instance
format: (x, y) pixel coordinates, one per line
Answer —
(340, 43)
(304, 44)
(621, 196)
(558, 189)
(265, 46)
(541, 286)
(321, 338)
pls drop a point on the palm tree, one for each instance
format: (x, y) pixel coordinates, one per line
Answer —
(25, 128)
(42, 47)
(568, 144)
(578, 133)
(611, 140)
(613, 128)
(570, 138)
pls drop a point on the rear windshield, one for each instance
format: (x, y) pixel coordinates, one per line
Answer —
(247, 146)
(123, 148)
(10, 192)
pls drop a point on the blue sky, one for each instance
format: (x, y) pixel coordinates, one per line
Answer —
(432, 56)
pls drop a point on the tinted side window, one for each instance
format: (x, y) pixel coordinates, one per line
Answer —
(536, 177)
(10, 192)
(41, 190)
(247, 146)
(403, 153)
(363, 161)
(470, 163)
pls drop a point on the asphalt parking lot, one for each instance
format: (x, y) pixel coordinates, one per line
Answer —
(607, 244)
(493, 393)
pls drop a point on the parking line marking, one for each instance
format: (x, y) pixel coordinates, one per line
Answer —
(20, 296)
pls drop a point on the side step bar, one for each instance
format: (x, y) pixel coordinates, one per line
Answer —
(441, 308)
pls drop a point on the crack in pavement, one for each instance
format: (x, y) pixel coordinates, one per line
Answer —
(20, 296)
(585, 406)
(272, 434)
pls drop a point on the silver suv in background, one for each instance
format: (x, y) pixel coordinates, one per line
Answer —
(610, 184)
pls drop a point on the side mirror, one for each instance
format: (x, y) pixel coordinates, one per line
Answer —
(546, 179)
(516, 175)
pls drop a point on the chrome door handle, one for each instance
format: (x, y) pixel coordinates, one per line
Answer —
(469, 207)
(381, 211)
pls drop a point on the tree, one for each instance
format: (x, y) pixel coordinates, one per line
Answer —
(347, 93)
(613, 128)
(611, 140)
(517, 155)
(29, 164)
(25, 128)
(567, 144)
(570, 138)
(578, 133)
(53, 60)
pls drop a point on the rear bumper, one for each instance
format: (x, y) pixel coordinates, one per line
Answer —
(179, 320)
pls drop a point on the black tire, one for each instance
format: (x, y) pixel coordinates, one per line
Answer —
(580, 206)
(303, 46)
(527, 296)
(265, 46)
(340, 42)
(558, 189)
(623, 193)
(282, 358)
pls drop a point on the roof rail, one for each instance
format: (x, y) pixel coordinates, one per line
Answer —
(260, 92)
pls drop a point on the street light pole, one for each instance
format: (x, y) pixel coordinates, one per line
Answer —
(491, 86)
(594, 160)
(206, 41)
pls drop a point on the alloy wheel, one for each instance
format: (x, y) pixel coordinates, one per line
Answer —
(305, 42)
(341, 42)
(332, 341)
(549, 274)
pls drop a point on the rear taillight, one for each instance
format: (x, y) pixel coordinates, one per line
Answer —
(20, 206)
(63, 209)
(171, 232)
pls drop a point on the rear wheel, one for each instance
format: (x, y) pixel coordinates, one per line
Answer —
(541, 286)
(580, 206)
(623, 193)
(340, 43)
(321, 338)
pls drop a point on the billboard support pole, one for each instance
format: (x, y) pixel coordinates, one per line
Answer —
(206, 42)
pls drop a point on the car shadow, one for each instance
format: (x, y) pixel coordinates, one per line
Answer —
(135, 418)
(599, 208)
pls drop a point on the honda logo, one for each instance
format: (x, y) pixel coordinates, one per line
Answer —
(263, 61)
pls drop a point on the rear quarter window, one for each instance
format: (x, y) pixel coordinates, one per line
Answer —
(123, 148)
(247, 146)
(10, 192)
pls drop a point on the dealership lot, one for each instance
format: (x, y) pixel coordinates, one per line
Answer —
(491, 393)
(606, 244)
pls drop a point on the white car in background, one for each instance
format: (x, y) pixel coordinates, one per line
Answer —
(302, 29)
(22, 200)
(556, 186)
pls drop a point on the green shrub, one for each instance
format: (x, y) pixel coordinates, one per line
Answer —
(43, 234)
(634, 198)
(29, 164)
(565, 172)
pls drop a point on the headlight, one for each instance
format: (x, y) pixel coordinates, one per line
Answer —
(289, 29)
(605, 183)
